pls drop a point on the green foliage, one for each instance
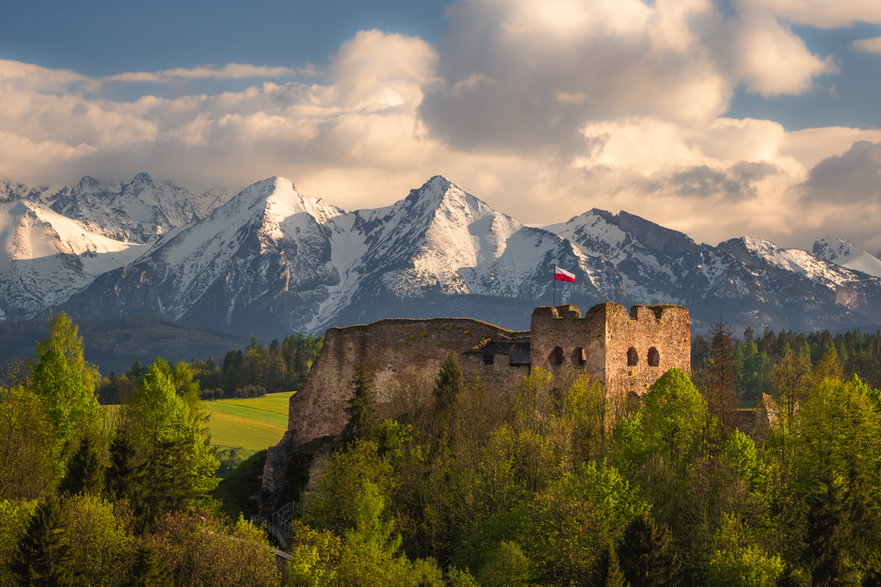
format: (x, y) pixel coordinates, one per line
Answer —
(591, 415)
(237, 490)
(329, 501)
(449, 384)
(741, 452)
(14, 519)
(43, 553)
(572, 520)
(367, 554)
(104, 546)
(507, 566)
(195, 549)
(738, 561)
(276, 368)
(361, 422)
(171, 465)
(66, 383)
(85, 471)
(674, 418)
(315, 557)
(837, 464)
(27, 446)
(646, 553)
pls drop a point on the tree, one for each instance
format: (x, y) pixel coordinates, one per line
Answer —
(328, 502)
(198, 549)
(507, 566)
(737, 560)
(720, 376)
(837, 466)
(102, 544)
(27, 446)
(571, 522)
(646, 553)
(44, 555)
(829, 366)
(85, 472)
(361, 422)
(67, 382)
(449, 384)
(674, 418)
(170, 446)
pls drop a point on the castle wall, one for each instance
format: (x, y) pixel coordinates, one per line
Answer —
(666, 329)
(561, 339)
(389, 349)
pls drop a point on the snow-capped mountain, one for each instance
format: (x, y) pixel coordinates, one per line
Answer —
(269, 261)
(841, 252)
(139, 210)
(47, 256)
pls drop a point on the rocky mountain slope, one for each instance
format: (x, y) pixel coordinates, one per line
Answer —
(269, 261)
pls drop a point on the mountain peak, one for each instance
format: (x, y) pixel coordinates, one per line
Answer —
(142, 177)
(841, 252)
(433, 190)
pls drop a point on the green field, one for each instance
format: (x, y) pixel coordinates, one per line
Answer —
(248, 425)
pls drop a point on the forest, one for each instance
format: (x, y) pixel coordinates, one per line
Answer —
(553, 483)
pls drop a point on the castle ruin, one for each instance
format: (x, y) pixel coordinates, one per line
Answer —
(627, 351)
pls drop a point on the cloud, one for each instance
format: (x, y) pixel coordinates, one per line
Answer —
(527, 76)
(824, 14)
(852, 177)
(29, 77)
(543, 109)
(871, 45)
(762, 52)
(227, 72)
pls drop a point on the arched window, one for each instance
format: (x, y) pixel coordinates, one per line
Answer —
(654, 357)
(632, 357)
(579, 356)
(556, 356)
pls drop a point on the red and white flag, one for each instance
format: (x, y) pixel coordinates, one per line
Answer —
(563, 275)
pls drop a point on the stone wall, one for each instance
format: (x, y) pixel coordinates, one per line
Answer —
(391, 350)
(561, 339)
(662, 331)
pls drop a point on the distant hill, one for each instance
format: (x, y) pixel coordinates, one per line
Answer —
(115, 344)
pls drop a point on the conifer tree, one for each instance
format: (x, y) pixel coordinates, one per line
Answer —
(43, 554)
(147, 569)
(646, 553)
(85, 473)
(720, 378)
(449, 384)
(361, 424)
(173, 461)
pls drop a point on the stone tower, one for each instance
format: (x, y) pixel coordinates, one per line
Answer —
(627, 351)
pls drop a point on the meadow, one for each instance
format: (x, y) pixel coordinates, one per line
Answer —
(248, 425)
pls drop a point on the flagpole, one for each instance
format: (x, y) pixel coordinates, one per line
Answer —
(555, 287)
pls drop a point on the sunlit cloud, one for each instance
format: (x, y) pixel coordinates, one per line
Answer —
(871, 45)
(544, 110)
(227, 72)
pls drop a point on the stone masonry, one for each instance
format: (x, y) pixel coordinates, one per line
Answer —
(627, 351)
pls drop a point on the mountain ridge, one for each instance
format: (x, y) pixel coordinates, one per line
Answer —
(267, 261)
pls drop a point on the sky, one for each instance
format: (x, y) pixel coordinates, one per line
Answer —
(717, 118)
